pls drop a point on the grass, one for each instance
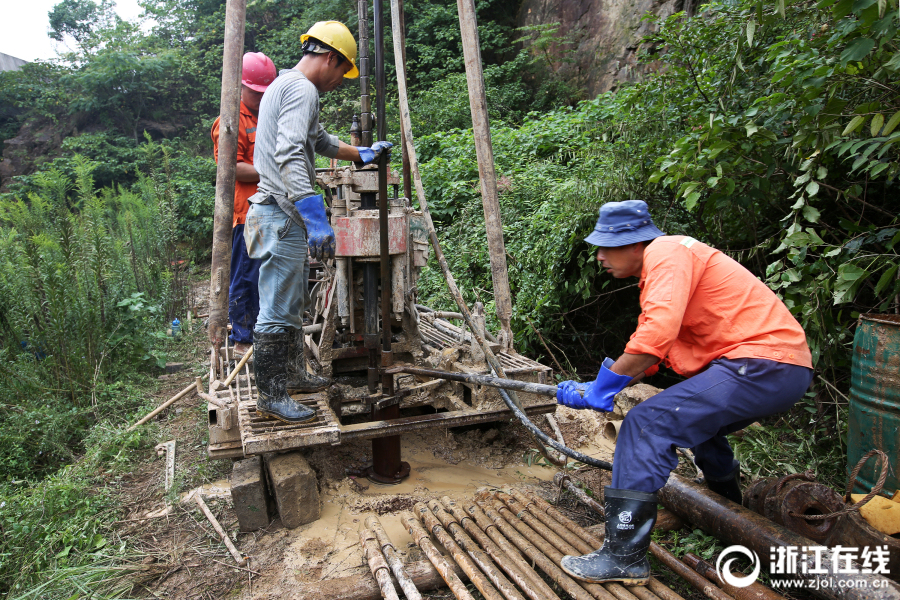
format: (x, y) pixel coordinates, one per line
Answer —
(57, 534)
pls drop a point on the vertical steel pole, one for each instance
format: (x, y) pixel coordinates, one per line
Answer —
(484, 151)
(229, 113)
(386, 464)
(365, 100)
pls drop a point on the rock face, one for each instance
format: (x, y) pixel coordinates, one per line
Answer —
(606, 36)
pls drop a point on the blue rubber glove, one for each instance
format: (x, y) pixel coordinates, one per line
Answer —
(319, 234)
(598, 395)
(370, 155)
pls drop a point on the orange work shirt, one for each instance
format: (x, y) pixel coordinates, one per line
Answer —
(698, 304)
(246, 141)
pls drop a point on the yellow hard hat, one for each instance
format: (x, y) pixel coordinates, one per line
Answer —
(336, 35)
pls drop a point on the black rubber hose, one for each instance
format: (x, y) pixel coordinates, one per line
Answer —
(600, 464)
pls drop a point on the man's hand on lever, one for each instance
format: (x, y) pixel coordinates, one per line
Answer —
(612, 379)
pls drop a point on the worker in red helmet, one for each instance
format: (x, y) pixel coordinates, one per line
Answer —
(243, 291)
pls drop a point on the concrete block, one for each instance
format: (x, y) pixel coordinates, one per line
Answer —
(294, 485)
(252, 501)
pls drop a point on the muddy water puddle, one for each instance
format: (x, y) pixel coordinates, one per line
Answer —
(329, 547)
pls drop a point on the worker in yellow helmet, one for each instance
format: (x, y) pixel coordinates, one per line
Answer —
(287, 217)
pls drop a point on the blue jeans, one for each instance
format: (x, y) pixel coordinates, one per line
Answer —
(243, 291)
(698, 414)
(275, 240)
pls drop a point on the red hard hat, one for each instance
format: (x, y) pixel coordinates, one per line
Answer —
(258, 72)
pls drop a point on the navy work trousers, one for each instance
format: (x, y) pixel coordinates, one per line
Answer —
(243, 290)
(697, 414)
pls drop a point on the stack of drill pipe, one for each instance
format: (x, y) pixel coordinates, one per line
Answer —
(468, 566)
(390, 554)
(539, 506)
(420, 537)
(504, 553)
(752, 591)
(377, 564)
(490, 553)
(529, 518)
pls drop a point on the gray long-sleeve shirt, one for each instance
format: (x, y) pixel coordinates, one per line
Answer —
(288, 136)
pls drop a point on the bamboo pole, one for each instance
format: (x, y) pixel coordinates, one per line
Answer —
(229, 115)
(167, 403)
(481, 127)
(238, 368)
(377, 564)
(440, 563)
(390, 554)
(240, 560)
(406, 125)
(478, 556)
(468, 566)
(512, 567)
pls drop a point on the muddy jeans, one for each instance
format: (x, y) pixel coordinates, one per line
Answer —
(274, 239)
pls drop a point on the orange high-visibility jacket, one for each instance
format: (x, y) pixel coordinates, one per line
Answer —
(246, 141)
(698, 304)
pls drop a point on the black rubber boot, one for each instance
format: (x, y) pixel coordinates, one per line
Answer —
(630, 516)
(728, 486)
(298, 378)
(270, 351)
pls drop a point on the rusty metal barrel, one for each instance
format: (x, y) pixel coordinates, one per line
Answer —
(874, 417)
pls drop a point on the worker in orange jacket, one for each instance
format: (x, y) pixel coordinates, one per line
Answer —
(243, 290)
(711, 320)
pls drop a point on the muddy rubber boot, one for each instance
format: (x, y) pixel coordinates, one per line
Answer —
(298, 378)
(270, 351)
(728, 486)
(630, 516)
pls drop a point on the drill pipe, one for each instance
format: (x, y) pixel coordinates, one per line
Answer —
(474, 551)
(465, 563)
(593, 541)
(738, 525)
(754, 591)
(529, 582)
(542, 507)
(531, 550)
(377, 564)
(594, 589)
(420, 536)
(579, 547)
(701, 584)
(390, 554)
(509, 384)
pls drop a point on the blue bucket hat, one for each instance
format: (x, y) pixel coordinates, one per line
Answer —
(623, 223)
